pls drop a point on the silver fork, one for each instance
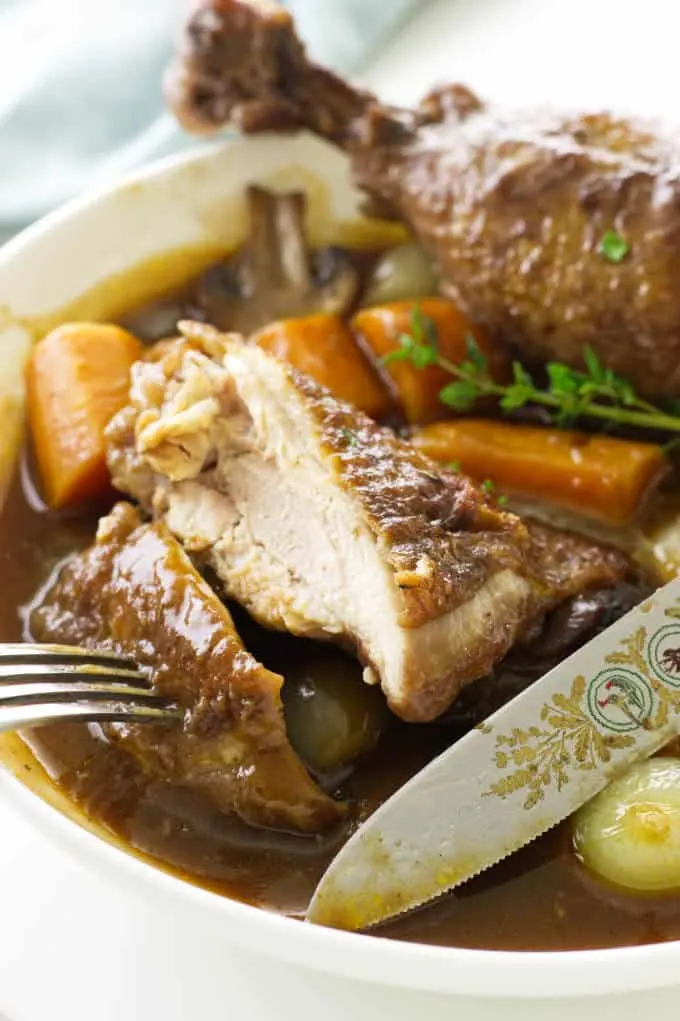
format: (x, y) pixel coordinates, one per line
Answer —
(42, 684)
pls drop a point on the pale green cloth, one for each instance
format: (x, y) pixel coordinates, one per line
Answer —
(80, 100)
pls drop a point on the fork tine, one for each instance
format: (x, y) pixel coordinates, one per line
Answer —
(24, 717)
(18, 654)
(17, 673)
(47, 683)
(75, 690)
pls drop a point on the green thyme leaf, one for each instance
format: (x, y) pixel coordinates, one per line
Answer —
(468, 370)
(520, 375)
(613, 247)
(404, 353)
(350, 437)
(489, 486)
(459, 396)
(475, 354)
(453, 466)
(417, 325)
(400, 355)
(593, 365)
(622, 392)
(420, 346)
(422, 357)
(562, 379)
(423, 329)
(515, 397)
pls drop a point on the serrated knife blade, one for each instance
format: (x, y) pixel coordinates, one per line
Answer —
(526, 768)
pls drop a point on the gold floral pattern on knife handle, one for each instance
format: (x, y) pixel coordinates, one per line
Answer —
(639, 688)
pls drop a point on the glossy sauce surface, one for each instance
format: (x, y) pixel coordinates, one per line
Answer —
(540, 899)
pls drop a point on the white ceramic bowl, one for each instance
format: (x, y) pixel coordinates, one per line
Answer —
(191, 950)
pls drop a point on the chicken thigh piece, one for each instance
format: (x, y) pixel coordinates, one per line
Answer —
(136, 592)
(323, 524)
(515, 208)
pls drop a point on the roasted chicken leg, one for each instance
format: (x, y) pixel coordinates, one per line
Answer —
(513, 207)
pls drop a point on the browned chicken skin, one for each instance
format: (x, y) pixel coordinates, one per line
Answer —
(513, 207)
(136, 591)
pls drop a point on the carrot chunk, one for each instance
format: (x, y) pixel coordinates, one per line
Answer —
(77, 378)
(323, 347)
(417, 390)
(599, 476)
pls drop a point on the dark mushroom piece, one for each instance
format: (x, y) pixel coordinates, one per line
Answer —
(275, 275)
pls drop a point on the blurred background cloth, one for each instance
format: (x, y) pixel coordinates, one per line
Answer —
(80, 86)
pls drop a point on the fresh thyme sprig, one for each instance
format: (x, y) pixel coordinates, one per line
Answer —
(570, 395)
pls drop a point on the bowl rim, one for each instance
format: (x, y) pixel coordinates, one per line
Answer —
(481, 973)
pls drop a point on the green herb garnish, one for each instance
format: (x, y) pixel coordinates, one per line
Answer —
(570, 395)
(349, 437)
(420, 345)
(613, 246)
(490, 486)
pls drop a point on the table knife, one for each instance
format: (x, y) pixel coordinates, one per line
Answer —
(520, 772)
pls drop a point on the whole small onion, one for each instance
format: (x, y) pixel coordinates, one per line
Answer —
(401, 272)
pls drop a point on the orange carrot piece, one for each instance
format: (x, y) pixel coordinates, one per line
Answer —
(417, 390)
(77, 378)
(599, 476)
(323, 347)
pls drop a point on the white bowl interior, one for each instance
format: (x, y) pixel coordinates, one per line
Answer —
(171, 220)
